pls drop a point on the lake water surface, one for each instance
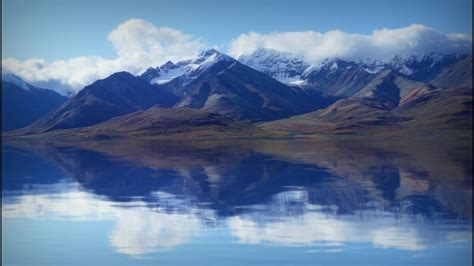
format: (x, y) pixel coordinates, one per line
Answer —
(287, 202)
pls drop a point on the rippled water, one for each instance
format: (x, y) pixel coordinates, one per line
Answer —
(299, 202)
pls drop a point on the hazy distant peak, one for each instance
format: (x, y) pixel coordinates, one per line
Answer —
(283, 66)
(10, 77)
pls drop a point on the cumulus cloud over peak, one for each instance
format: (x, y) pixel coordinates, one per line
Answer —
(382, 44)
(138, 44)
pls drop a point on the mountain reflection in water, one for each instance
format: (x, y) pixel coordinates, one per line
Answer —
(318, 195)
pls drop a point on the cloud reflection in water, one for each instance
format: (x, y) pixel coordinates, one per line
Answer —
(163, 197)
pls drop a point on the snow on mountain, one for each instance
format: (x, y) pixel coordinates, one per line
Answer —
(298, 82)
(190, 68)
(331, 65)
(170, 71)
(409, 64)
(10, 77)
(417, 67)
(293, 70)
(284, 67)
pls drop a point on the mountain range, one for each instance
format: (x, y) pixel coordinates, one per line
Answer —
(266, 93)
(344, 78)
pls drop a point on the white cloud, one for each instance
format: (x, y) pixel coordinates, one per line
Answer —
(381, 44)
(138, 44)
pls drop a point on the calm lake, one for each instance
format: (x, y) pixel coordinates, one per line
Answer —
(241, 202)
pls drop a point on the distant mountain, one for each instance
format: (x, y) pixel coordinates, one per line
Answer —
(342, 78)
(23, 103)
(220, 84)
(118, 94)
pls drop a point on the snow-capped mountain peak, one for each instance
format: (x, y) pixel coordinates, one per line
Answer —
(192, 67)
(209, 57)
(212, 53)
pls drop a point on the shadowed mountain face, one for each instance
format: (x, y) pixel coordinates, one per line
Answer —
(23, 104)
(119, 94)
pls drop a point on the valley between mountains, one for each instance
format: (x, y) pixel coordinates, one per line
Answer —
(265, 94)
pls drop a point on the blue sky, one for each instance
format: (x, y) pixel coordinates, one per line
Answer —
(60, 29)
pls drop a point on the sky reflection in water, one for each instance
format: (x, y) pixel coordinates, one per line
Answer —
(246, 202)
